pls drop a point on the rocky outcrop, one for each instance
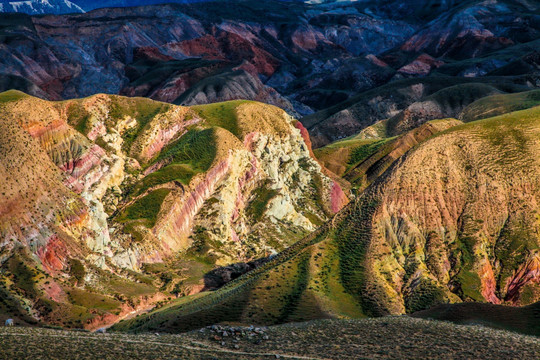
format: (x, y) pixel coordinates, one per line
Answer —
(178, 223)
(225, 274)
(421, 66)
(263, 195)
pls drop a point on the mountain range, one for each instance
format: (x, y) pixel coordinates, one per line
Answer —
(341, 68)
(40, 7)
(175, 166)
(36, 7)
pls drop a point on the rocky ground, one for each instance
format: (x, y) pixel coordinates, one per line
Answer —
(382, 338)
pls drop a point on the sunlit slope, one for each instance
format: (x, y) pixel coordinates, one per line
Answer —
(453, 220)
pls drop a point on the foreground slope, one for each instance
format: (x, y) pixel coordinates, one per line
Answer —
(453, 220)
(382, 338)
(111, 203)
(524, 319)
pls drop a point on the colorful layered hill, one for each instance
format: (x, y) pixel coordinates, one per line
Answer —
(111, 203)
(452, 220)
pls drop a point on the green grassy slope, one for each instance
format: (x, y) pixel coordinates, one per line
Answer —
(362, 161)
(349, 267)
(500, 104)
(221, 114)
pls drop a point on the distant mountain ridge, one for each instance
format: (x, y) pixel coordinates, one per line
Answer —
(334, 64)
(89, 5)
(36, 7)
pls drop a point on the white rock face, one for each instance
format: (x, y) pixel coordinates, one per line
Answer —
(277, 165)
(280, 160)
(100, 242)
(109, 174)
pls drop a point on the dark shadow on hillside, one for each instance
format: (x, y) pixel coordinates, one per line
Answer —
(217, 278)
(525, 320)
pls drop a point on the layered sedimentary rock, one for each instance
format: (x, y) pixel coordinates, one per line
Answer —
(473, 234)
(142, 182)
